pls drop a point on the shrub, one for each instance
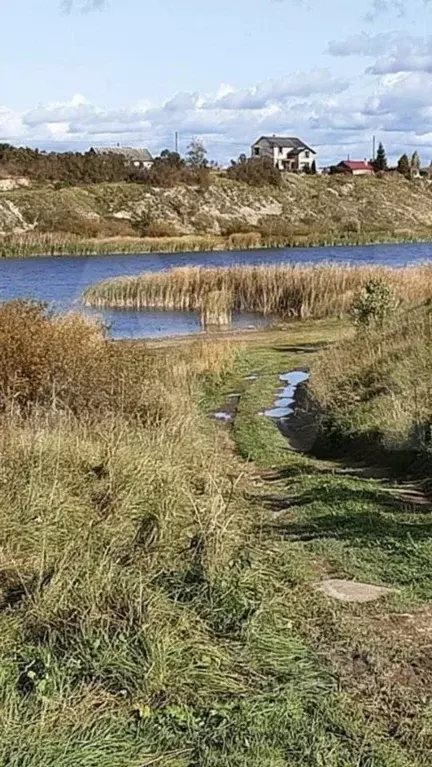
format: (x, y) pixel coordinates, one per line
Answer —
(162, 229)
(67, 363)
(234, 226)
(204, 222)
(374, 304)
(68, 222)
(256, 171)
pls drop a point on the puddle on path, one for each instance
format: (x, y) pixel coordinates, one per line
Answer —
(283, 407)
(227, 416)
(284, 404)
(222, 416)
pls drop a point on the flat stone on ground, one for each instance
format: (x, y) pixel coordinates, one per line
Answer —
(351, 591)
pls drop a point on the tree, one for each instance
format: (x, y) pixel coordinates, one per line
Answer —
(172, 159)
(415, 161)
(196, 154)
(314, 168)
(380, 162)
(403, 166)
(256, 171)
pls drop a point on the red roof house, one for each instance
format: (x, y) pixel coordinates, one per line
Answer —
(357, 167)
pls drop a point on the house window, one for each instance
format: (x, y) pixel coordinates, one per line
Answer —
(256, 150)
(307, 154)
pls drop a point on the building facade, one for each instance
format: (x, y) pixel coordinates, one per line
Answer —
(287, 154)
(356, 167)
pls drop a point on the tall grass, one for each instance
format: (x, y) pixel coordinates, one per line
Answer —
(58, 244)
(36, 244)
(147, 617)
(378, 382)
(136, 626)
(286, 291)
(117, 515)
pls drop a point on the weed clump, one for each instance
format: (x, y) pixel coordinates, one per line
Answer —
(374, 305)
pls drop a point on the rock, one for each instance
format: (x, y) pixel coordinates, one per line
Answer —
(8, 184)
(351, 591)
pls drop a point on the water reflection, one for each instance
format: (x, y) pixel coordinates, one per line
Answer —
(284, 405)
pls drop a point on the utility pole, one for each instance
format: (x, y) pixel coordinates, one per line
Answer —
(374, 148)
(176, 141)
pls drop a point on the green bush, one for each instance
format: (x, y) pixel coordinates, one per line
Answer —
(374, 305)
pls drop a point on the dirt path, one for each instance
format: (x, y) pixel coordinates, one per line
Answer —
(299, 336)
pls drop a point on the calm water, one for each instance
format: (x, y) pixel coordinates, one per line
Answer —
(61, 281)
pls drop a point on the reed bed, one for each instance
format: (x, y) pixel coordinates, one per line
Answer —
(216, 308)
(35, 244)
(58, 244)
(284, 291)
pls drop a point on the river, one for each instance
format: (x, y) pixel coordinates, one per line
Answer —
(60, 281)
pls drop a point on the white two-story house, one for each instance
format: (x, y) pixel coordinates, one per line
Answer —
(290, 154)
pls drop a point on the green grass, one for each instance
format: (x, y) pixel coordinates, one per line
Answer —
(157, 599)
(344, 527)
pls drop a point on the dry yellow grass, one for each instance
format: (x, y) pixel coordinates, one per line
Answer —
(285, 291)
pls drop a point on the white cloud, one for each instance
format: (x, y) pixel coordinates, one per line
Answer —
(82, 5)
(380, 7)
(408, 54)
(362, 44)
(394, 52)
(336, 120)
(278, 90)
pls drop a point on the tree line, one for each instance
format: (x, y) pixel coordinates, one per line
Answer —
(406, 166)
(77, 168)
(169, 168)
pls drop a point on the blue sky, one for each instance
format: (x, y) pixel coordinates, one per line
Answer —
(83, 72)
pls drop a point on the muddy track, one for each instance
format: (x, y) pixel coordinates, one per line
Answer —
(407, 489)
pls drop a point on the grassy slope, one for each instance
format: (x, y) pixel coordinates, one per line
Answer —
(157, 591)
(302, 210)
(377, 384)
(327, 525)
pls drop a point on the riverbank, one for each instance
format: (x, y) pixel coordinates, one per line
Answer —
(50, 245)
(129, 218)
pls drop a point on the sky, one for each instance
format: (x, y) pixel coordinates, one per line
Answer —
(81, 73)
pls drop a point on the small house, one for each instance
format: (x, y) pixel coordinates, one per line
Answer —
(287, 154)
(139, 158)
(356, 167)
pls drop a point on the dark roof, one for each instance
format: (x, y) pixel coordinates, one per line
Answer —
(356, 165)
(137, 155)
(290, 142)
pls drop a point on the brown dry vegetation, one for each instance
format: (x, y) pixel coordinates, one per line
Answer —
(302, 211)
(285, 291)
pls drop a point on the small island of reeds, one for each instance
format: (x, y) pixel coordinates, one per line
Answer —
(286, 291)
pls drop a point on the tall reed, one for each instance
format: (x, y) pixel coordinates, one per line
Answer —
(285, 291)
(216, 308)
(60, 244)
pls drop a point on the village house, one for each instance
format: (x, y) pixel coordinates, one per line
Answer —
(139, 158)
(289, 154)
(356, 167)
